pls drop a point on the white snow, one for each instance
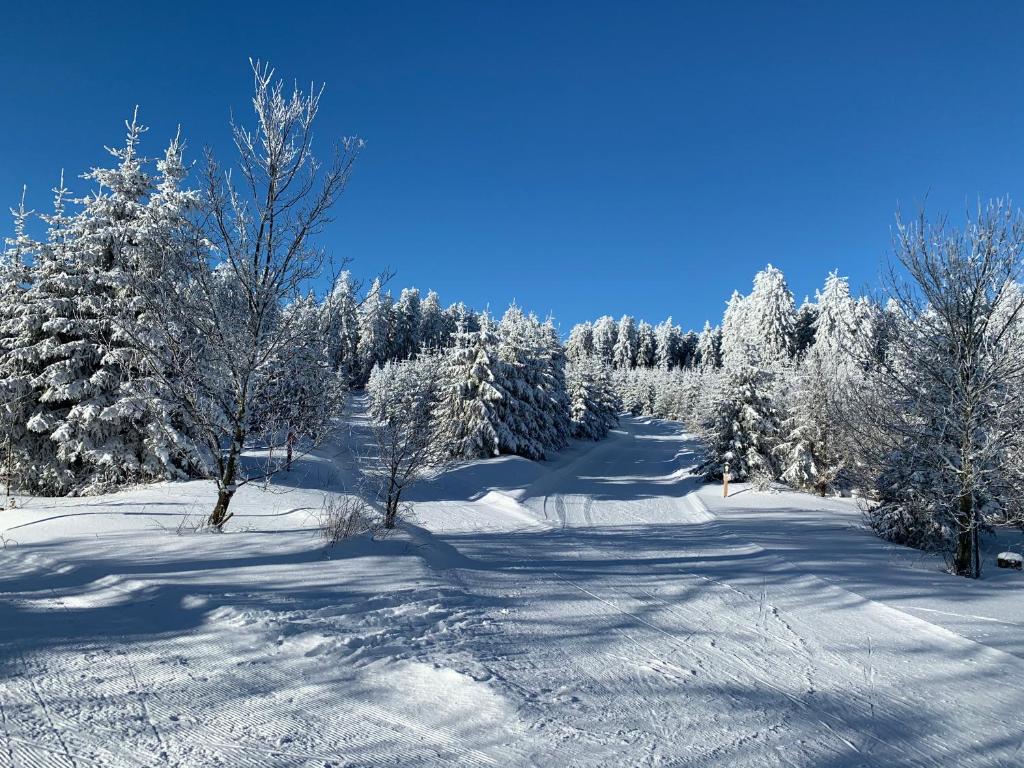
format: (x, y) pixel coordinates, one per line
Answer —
(602, 608)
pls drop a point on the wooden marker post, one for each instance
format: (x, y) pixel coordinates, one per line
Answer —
(725, 481)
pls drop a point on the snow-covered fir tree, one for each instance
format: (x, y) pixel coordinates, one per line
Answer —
(469, 419)
(646, 346)
(606, 333)
(669, 340)
(341, 327)
(581, 341)
(707, 355)
(432, 331)
(804, 327)
(743, 431)
(624, 349)
(737, 337)
(593, 403)
(376, 325)
(407, 318)
(770, 317)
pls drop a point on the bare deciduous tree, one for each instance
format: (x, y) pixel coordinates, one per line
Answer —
(217, 333)
(407, 445)
(941, 426)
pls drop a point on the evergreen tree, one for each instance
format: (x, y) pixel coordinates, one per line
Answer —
(646, 346)
(468, 412)
(804, 329)
(707, 349)
(770, 316)
(375, 331)
(744, 430)
(669, 341)
(581, 341)
(605, 335)
(593, 403)
(341, 327)
(432, 332)
(407, 318)
(624, 350)
(736, 334)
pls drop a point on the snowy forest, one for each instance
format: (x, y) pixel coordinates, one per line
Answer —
(158, 319)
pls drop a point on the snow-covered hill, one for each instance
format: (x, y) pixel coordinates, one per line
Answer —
(602, 608)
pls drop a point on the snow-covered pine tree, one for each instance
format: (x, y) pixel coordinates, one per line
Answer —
(669, 340)
(744, 430)
(553, 384)
(407, 317)
(606, 333)
(341, 327)
(646, 346)
(525, 410)
(835, 326)
(468, 418)
(624, 350)
(737, 337)
(804, 328)
(771, 317)
(708, 349)
(15, 386)
(432, 332)
(809, 455)
(593, 404)
(581, 341)
(688, 350)
(375, 330)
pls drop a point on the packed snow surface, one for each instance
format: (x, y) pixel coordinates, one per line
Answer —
(602, 608)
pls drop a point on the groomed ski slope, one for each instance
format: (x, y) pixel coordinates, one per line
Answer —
(603, 608)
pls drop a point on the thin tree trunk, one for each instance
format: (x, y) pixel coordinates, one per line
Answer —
(966, 539)
(226, 486)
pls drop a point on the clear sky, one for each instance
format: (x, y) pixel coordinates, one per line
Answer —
(583, 158)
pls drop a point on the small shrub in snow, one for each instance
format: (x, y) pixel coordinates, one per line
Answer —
(342, 517)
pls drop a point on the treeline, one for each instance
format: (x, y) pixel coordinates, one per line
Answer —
(914, 404)
(156, 330)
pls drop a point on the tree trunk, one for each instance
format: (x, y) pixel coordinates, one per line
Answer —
(967, 539)
(226, 486)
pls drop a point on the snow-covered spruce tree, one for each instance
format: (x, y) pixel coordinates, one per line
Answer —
(376, 330)
(947, 424)
(41, 325)
(708, 357)
(432, 331)
(528, 411)
(737, 336)
(804, 328)
(770, 317)
(606, 333)
(646, 346)
(407, 316)
(15, 387)
(624, 351)
(809, 456)
(341, 327)
(468, 418)
(688, 350)
(668, 338)
(256, 241)
(744, 430)
(96, 399)
(581, 342)
(593, 404)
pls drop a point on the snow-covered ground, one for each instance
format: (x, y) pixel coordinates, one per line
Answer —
(602, 608)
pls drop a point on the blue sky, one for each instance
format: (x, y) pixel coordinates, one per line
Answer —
(581, 158)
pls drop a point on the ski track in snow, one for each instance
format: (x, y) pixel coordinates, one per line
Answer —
(599, 609)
